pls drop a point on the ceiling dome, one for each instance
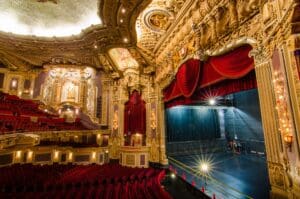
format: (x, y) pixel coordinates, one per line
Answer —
(48, 18)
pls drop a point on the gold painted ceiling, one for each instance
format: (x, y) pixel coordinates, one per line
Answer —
(48, 18)
(155, 20)
(24, 52)
(138, 25)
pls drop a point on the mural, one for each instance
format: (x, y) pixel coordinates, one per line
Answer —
(123, 59)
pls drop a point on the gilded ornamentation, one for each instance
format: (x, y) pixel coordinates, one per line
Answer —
(158, 20)
(153, 120)
(115, 124)
(154, 151)
(70, 84)
(26, 52)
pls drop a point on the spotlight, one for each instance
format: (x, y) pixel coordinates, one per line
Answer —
(204, 167)
(212, 101)
(173, 176)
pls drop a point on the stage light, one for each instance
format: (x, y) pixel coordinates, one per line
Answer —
(173, 176)
(204, 167)
(212, 101)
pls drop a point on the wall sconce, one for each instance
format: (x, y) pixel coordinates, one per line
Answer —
(14, 83)
(56, 153)
(70, 156)
(18, 154)
(94, 155)
(288, 140)
(29, 155)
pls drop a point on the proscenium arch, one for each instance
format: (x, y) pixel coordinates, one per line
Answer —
(256, 47)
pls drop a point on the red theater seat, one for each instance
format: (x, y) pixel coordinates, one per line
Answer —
(69, 181)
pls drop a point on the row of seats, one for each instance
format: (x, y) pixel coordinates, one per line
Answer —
(91, 181)
(19, 115)
(13, 105)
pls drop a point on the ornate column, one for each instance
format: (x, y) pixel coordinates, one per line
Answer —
(116, 120)
(292, 53)
(152, 133)
(275, 150)
(161, 128)
(104, 102)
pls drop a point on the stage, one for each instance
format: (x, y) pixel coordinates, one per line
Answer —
(230, 175)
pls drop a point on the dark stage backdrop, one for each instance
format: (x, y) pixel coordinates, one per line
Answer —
(186, 123)
(244, 121)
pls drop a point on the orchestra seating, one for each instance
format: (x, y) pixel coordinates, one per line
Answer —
(19, 115)
(110, 181)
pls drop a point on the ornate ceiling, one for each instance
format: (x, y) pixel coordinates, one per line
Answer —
(48, 18)
(152, 31)
(118, 18)
(153, 23)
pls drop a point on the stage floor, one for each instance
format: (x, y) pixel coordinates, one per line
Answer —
(232, 175)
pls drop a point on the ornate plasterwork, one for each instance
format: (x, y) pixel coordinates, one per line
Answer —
(158, 20)
(50, 18)
(209, 28)
(123, 59)
(117, 30)
(154, 21)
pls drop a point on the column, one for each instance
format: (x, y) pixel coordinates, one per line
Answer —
(161, 129)
(273, 143)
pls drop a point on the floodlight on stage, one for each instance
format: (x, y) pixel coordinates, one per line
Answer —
(204, 167)
(212, 101)
(173, 175)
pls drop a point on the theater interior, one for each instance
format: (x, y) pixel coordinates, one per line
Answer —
(150, 99)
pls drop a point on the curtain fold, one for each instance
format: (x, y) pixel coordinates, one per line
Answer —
(191, 79)
(221, 88)
(187, 77)
(135, 115)
(234, 64)
(186, 81)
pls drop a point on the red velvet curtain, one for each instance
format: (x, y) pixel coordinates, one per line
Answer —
(234, 64)
(135, 115)
(222, 88)
(186, 81)
(221, 75)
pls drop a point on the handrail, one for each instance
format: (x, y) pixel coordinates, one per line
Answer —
(195, 172)
(44, 132)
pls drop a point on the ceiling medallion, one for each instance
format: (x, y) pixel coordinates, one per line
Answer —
(43, 1)
(158, 20)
